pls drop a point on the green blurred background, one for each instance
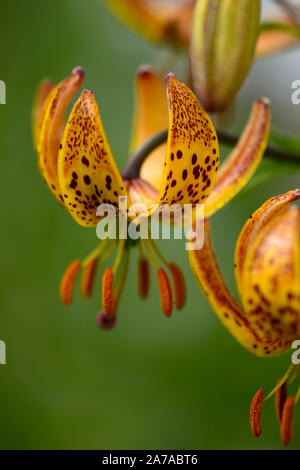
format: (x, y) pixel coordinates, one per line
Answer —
(179, 383)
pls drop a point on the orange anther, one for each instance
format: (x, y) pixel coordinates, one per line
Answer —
(67, 282)
(255, 412)
(287, 421)
(165, 290)
(143, 277)
(88, 276)
(108, 292)
(179, 286)
(280, 399)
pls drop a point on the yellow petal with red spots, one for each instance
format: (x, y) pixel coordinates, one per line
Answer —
(209, 278)
(267, 213)
(50, 136)
(39, 109)
(156, 21)
(242, 163)
(271, 280)
(88, 175)
(151, 117)
(192, 159)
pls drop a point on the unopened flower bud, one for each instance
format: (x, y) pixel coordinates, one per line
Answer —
(223, 41)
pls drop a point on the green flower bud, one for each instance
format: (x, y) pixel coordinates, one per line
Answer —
(224, 36)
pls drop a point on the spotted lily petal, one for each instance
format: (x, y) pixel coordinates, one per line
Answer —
(39, 109)
(192, 158)
(151, 116)
(209, 277)
(158, 22)
(271, 209)
(50, 135)
(239, 167)
(88, 174)
(271, 280)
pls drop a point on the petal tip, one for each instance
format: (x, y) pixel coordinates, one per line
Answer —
(170, 77)
(266, 101)
(79, 71)
(296, 194)
(144, 71)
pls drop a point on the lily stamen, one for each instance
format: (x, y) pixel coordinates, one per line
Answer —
(143, 276)
(88, 277)
(280, 399)
(164, 284)
(177, 276)
(281, 382)
(287, 421)
(165, 291)
(68, 281)
(120, 251)
(255, 413)
(297, 397)
(179, 286)
(108, 292)
(295, 375)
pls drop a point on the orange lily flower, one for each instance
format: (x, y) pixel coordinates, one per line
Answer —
(267, 272)
(78, 166)
(171, 23)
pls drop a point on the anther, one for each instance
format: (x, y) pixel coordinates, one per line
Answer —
(165, 290)
(143, 277)
(255, 413)
(68, 281)
(280, 399)
(108, 292)
(87, 278)
(179, 286)
(287, 421)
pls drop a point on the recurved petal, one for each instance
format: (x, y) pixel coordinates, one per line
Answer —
(51, 131)
(210, 280)
(242, 163)
(156, 21)
(88, 175)
(265, 215)
(151, 116)
(271, 280)
(39, 109)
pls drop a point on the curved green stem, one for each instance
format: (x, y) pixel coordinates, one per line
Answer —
(133, 167)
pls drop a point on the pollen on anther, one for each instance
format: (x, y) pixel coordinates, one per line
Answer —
(179, 286)
(165, 291)
(287, 421)
(255, 413)
(88, 276)
(108, 292)
(68, 281)
(280, 399)
(143, 277)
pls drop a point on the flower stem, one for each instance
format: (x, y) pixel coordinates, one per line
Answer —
(291, 9)
(133, 167)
